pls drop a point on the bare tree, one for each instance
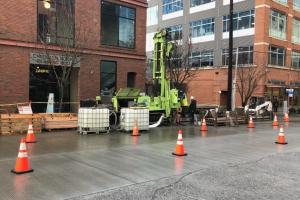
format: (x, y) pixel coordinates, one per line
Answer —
(179, 65)
(248, 78)
(70, 41)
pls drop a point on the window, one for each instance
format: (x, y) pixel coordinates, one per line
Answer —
(170, 6)
(199, 2)
(284, 2)
(296, 31)
(108, 73)
(202, 27)
(276, 56)
(297, 4)
(202, 59)
(278, 25)
(241, 20)
(131, 76)
(149, 42)
(245, 56)
(296, 59)
(152, 16)
(56, 22)
(117, 25)
(175, 32)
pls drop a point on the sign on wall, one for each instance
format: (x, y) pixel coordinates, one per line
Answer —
(290, 92)
(53, 59)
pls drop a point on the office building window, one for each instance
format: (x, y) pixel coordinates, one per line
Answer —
(108, 78)
(276, 56)
(152, 16)
(199, 2)
(297, 4)
(202, 59)
(277, 25)
(284, 2)
(245, 56)
(56, 22)
(202, 27)
(175, 32)
(241, 20)
(296, 60)
(170, 6)
(117, 25)
(296, 31)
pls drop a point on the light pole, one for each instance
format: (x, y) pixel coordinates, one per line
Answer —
(234, 80)
(229, 83)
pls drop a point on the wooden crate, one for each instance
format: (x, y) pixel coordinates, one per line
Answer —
(59, 121)
(18, 123)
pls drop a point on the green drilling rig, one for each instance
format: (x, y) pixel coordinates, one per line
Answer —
(168, 99)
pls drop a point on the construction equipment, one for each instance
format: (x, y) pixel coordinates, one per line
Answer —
(168, 99)
(260, 111)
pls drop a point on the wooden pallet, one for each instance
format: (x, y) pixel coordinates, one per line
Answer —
(56, 121)
(18, 123)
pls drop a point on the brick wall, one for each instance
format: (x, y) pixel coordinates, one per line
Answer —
(14, 76)
(18, 36)
(18, 20)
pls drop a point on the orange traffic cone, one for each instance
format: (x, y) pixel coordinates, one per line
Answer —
(135, 129)
(203, 125)
(281, 136)
(179, 150)
(286, 117)
(251, 124)
(275, 121)
(30, 138)
(22, 163)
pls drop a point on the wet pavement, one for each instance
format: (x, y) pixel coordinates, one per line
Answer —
(69, 165)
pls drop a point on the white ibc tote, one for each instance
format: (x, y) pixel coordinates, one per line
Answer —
(130, 116)
(93, 120)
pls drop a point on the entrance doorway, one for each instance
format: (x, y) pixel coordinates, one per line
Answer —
(42, 82)
(223, 98)
(108, 78)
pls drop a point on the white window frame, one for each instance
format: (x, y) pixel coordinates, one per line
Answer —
(274, 29)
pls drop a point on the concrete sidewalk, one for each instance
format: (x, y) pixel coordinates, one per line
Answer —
(68, 165)
(272, 177)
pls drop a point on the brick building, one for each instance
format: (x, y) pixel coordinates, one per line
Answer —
(37, 36)
(266, 36)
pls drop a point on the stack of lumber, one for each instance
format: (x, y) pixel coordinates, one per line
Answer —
(18, 123)
(59, 120)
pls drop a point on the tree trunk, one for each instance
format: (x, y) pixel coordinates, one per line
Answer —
(61, 96)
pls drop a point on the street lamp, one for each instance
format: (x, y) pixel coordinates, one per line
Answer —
(233, 98)
(47, 5)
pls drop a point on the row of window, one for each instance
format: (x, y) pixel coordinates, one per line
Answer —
(277, 56)
(296, 3)
(170, 6)
(203, 27)
(278, 26)
(241, 20)
(56, 23)
(245, 57)
(206, 58)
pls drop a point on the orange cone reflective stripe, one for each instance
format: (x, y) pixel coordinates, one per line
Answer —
(135, 129)
(179, 149)
(251, 123)
(281, 136)
(275, 122)
(22, 162)
(30, 137)
(203, 125)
